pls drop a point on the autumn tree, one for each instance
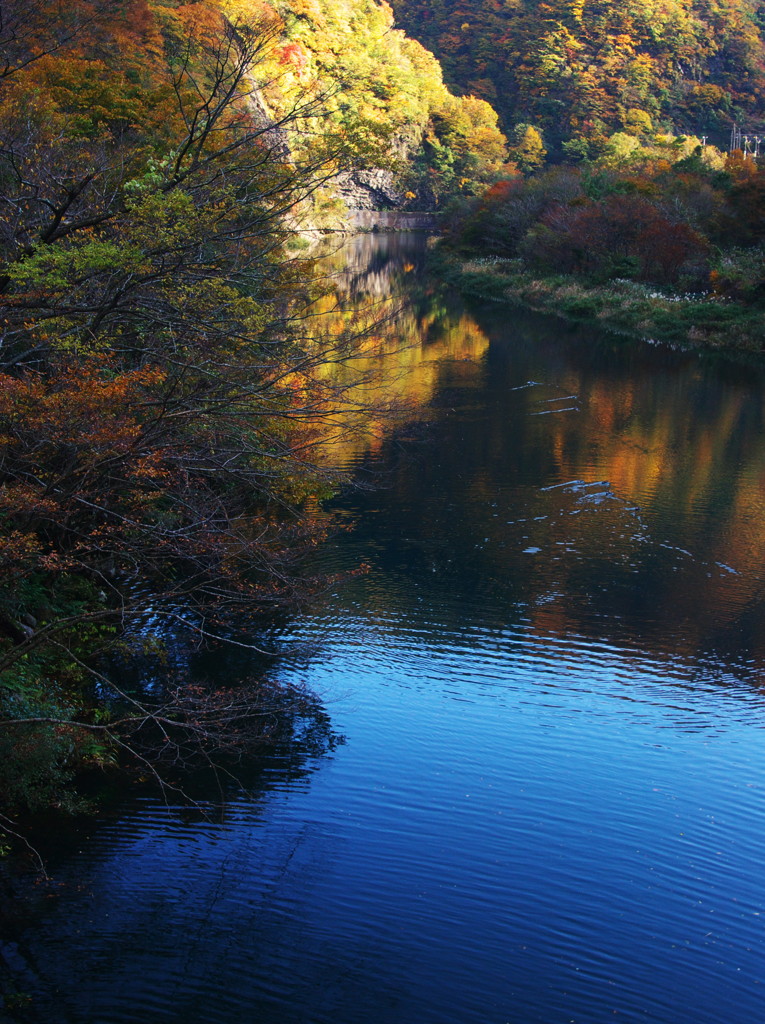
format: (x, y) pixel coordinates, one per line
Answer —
(159, 394)
(528, 148)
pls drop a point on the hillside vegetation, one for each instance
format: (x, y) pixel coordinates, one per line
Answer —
(635, 159)
(580, 70)
(382, 95)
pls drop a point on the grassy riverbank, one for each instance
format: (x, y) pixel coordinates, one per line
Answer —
(629, 307)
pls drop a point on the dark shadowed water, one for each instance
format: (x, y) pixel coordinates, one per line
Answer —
(550, 805)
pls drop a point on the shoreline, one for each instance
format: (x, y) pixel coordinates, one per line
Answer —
(643, 312)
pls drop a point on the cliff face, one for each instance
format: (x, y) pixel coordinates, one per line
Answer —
(373, 189)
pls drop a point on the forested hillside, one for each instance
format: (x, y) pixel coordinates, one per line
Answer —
(580, 70)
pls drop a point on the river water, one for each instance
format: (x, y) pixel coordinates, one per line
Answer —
(549, 805)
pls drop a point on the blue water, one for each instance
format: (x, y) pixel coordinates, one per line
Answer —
(550, 802)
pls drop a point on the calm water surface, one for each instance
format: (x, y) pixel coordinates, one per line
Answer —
(550, 805)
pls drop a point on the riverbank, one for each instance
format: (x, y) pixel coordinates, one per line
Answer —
(642, 311)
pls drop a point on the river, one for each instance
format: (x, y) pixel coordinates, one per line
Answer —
(548, 805)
